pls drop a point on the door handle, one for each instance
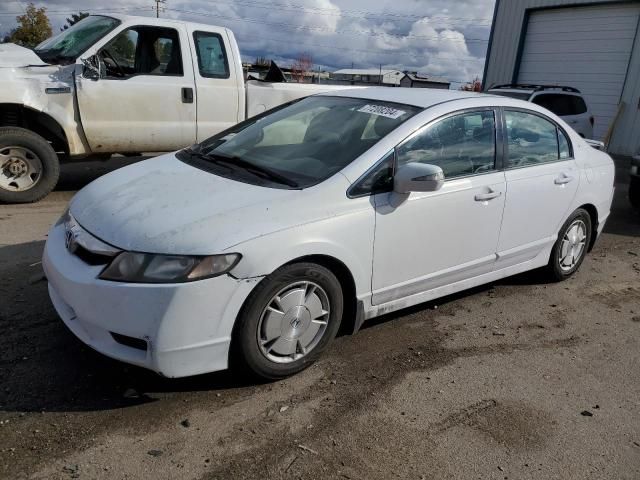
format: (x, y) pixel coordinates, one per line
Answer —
(484, 197)
(187, 95)
(563, 180)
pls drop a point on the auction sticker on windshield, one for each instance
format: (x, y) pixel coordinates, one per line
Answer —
(382, 111)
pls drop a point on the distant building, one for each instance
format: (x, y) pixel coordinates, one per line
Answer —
(417, 80)
(367, 77)
(592, 45)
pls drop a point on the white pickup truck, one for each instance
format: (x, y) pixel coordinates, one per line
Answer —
(120, 84)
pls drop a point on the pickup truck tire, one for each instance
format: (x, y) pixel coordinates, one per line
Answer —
(29, 167)
(634, 192)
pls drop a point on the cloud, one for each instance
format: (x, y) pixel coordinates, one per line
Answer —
(438, 37)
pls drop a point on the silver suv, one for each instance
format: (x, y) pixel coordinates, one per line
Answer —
(566, 102)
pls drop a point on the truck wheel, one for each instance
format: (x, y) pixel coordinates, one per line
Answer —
(634, 192)
(29, 167)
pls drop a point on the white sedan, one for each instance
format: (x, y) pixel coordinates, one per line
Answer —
(253, 247)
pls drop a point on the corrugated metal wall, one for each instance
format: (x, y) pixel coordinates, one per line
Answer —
(503, 57)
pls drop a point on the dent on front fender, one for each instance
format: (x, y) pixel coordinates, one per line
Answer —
(49, 90)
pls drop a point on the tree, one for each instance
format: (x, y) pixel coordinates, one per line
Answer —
(262, 62)
(300, 67)
(75, 18)
(33, 27)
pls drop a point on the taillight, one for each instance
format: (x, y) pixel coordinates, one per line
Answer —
(592, 120)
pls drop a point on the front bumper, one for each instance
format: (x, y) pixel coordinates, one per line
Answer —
(181, 329)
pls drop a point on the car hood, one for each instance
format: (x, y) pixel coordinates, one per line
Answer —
(12, 55)
(163, 205)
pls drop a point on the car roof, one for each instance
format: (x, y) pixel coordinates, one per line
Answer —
(418, 97)
(534, 88)
(512, 90)
(151, 20)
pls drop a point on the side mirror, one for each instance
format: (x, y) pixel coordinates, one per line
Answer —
(92, 68)
(418, 177)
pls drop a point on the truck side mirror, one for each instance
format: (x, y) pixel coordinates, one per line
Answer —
(92, 68)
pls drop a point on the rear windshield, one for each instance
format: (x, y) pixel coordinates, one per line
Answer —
(561, 104)
(302, 144)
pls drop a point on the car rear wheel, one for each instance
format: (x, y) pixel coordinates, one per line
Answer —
(287, 321)
(571, 246)
(29, 167)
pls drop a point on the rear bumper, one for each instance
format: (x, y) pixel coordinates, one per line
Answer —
(178, 329)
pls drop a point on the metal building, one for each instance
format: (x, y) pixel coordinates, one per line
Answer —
(593, 45)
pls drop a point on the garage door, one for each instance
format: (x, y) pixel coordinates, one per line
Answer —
(585, 47)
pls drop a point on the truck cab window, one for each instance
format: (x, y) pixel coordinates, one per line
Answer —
(143, 51)
(212, 58)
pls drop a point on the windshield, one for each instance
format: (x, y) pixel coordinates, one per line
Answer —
(67, 46)
(518, 95)
(302, 144)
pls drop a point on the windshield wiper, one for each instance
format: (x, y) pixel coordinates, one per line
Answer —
(229, 162)
(253, 168)
(204, 156)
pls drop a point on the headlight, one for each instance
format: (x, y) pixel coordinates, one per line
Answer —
(149, 268)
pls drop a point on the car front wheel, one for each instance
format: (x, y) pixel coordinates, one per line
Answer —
(571, 246)
(288, 320)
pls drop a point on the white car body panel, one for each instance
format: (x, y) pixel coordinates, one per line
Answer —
(13, 55)
(142, 113)
(406, 264)
(399, 251)
(535, 208)
(263, 96)
(25, 82)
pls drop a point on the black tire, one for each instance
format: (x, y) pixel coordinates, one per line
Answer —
(48, 177)
(246, 353)
(634, 192)
(554, 268)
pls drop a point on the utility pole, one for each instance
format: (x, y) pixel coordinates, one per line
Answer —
(158, 7)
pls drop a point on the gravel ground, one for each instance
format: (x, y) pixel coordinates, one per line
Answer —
(522, 379)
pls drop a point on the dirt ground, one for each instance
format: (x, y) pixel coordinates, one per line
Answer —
(522, 379)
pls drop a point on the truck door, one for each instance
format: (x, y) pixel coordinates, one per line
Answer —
(145, 101)
(219, 81)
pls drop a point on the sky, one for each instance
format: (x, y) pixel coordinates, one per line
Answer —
(445, 38)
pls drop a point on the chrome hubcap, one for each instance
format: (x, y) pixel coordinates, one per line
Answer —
(573, 244)
(293, 322)
(20, 168)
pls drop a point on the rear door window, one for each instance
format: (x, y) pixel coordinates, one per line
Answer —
(212, 57)
(533, 140)
(561, 104)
